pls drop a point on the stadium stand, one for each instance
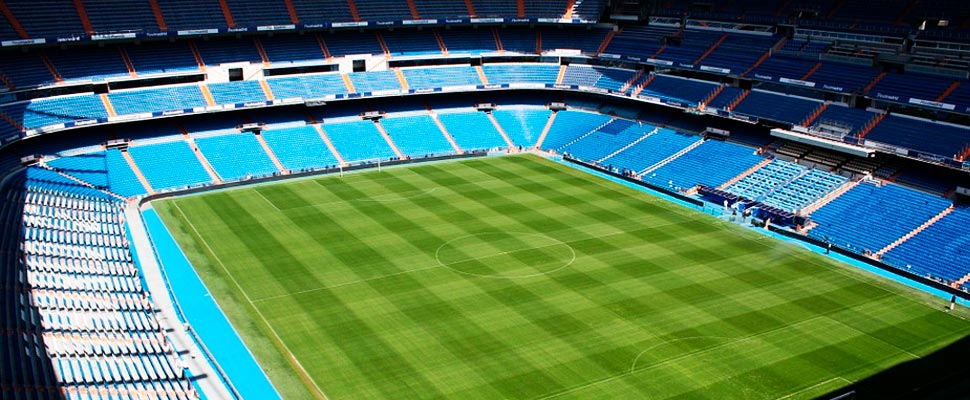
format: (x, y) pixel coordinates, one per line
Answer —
(236, 92)
(472, 130)
(358, 141)
(159, 171)
(135, 359)
(692, 168)
(427, 78)
(307, 86)
(939, 251)
(518, 73)
(776, 107)
(939, 139)
(848, 220)
(570, 125)
(417, 135)
(156, 99)
(236, 156)
(652, 150)
(523, 125)
(299, 148)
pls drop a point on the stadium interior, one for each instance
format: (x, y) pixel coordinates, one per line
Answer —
(843, 123)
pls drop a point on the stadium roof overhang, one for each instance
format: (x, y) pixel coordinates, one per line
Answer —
(823, 143)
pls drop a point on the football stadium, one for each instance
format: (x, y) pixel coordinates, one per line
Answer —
(484, 199)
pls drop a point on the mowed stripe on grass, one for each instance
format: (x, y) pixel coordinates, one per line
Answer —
(655, 301)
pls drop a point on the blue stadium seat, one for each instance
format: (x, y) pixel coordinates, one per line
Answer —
(712, 163)
(236, 156)
(870, 217)
(416, 135)
(358, 141)
(472, 130)
(156, 162)
(570, 125)
(299, 148)
(523, 125)
(650, 151)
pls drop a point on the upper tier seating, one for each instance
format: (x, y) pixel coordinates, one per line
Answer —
(91, 64)
(901, 87)
(42, 112)
(292, 49)
(776, 107)
(588, 41)
(517, 73)
(605, 78)
(46, 18)
(192, 14)
(236, 92)
(321, 11)
(157, 99)
(426, 78)
(922, 135)
(639, 42)
(738, 52)
(870, 217)
(365, 82)
(852, 118)
(161, 57)
(307, 86)
(468, 41)
(258, 13)
(411, 42)
(687, 90)
(724, 99)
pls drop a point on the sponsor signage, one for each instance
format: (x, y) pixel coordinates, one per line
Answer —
(23, 42)
(934, 104)
(110, 36)
(275, 27)
(420, 22)
(716, 69)
(797, 82)
(348, 24)
(189, 32)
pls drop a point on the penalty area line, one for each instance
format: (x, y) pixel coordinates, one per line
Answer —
(306, 375)
(822, 383)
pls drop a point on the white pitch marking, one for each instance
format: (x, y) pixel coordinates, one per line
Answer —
(267, 200)
(251, 304)
(837, 378)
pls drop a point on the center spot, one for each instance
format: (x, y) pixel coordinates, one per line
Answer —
(505, 254)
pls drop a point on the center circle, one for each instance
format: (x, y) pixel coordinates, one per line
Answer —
(505, 254)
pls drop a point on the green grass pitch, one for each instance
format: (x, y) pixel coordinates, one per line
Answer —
(517, 277)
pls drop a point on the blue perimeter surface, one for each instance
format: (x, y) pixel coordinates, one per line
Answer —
(817, 249)
(205, 316)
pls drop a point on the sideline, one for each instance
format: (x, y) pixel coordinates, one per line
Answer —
(177, 278)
